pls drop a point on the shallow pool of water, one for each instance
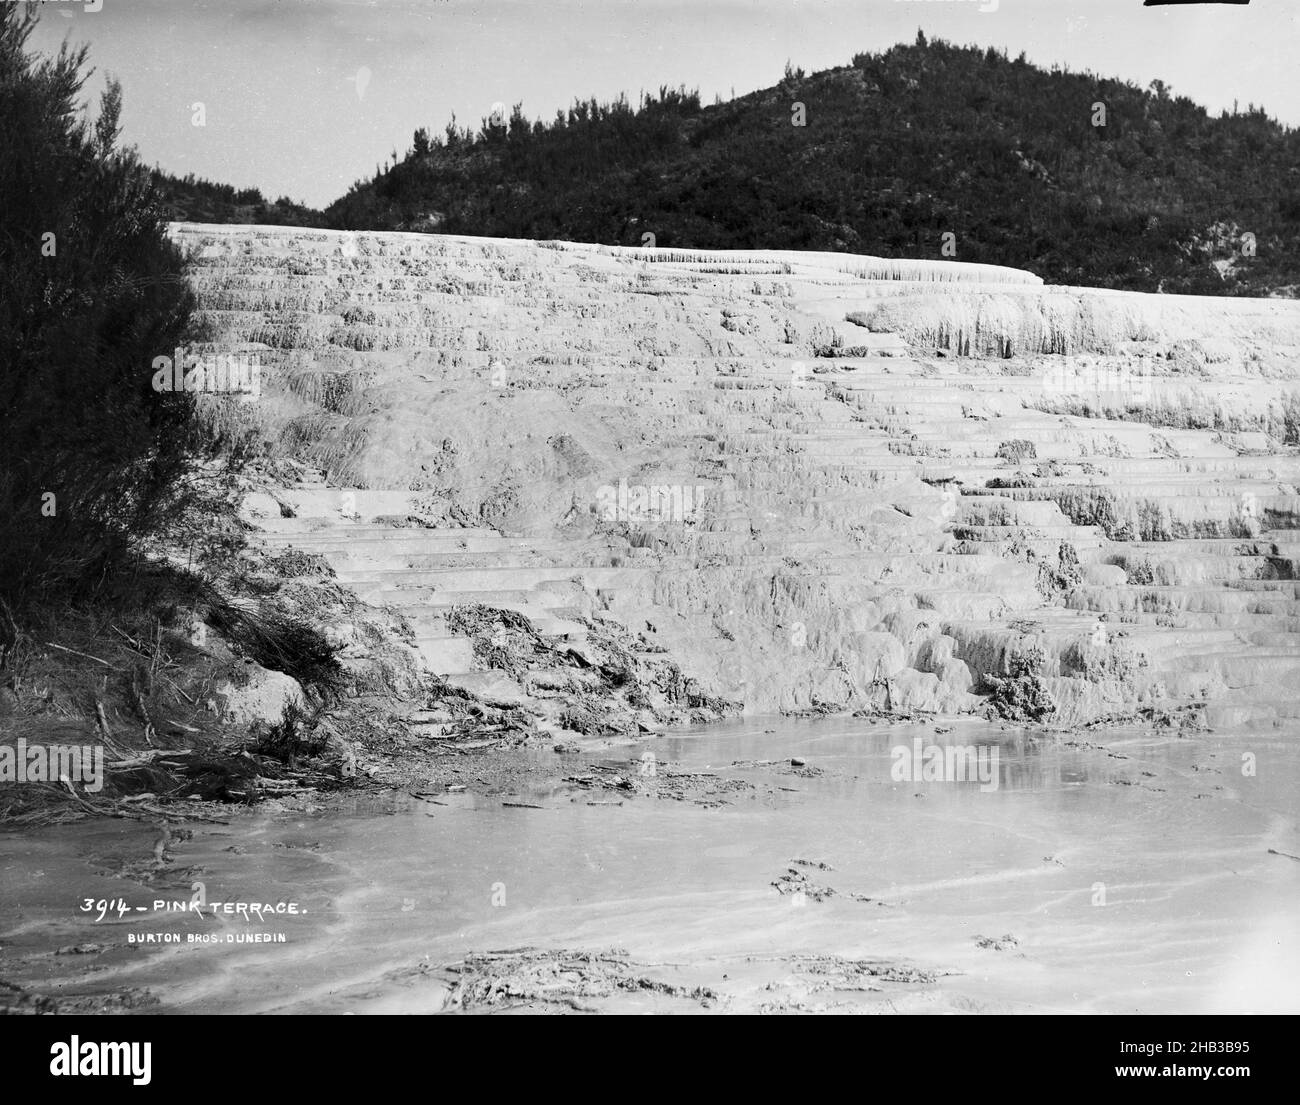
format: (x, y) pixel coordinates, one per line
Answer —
(1132, 873)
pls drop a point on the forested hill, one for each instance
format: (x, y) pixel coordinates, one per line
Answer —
(193, 199)
(898, 149)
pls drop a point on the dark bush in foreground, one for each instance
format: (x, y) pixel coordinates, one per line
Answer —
(91, 291)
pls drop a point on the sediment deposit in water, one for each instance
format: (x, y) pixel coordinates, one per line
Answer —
(816, 481)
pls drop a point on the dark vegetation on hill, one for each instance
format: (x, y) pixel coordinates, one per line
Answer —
(194, 199)
(898, 149)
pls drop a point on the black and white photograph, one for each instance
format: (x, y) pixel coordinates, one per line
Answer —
(650, 507)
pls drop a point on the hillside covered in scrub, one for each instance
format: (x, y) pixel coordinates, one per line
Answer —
(194, 198)
(898, 149)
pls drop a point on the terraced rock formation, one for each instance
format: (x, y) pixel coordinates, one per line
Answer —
(818, 481)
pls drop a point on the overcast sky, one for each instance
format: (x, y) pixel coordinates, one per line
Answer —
(288, 112)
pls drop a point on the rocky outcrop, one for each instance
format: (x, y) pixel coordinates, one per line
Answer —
(819, 482)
